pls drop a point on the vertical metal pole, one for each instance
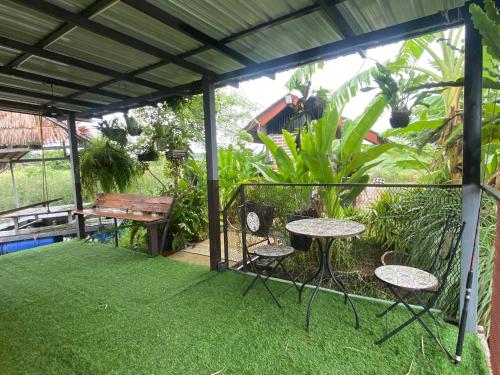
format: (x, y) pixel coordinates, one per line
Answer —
(14, 187)
(471, 190)
(212, 173)
(75, 174)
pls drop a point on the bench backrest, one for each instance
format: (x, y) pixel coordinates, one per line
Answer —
(135, 202)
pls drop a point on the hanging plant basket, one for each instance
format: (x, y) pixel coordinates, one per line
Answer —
(400, 118)
(34, 145)
(176, 154)
(149, 155)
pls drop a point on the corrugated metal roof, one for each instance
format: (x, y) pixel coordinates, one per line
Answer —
(310, 31)
(365, 16)
(145, 49)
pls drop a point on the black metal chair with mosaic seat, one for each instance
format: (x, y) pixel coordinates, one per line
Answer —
(264, 256)
(425, 286)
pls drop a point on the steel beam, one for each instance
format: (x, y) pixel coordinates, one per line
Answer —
(391, 34)
(186, 89)
(5, 70)
(179, 25)
(75, 174)
(110, 33)
(212, 173)
(93, 10)
(57, 57)
(124, 77)
(41, 95)
(471, 182)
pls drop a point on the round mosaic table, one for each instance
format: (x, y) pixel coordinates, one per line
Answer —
(324, 231)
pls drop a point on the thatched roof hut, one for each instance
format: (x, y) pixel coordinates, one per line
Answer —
(18, 131)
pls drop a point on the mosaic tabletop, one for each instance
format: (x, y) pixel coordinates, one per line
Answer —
(274, 251)
(408, 278)
(325, 228)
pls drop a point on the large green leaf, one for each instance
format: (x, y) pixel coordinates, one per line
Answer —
(284, 163)
(318, 164)
(268, 173)
(355, 136)
(290, 142)
(371, 154)
(325, 129)
(417, 126)
(270, 144)
(357, 176)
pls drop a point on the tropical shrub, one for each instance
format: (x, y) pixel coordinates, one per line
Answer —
(237, 165)
(321, 158)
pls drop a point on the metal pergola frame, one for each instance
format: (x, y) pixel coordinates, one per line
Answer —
(209, 80)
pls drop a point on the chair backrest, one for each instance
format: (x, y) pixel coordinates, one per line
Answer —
(257, 219)
(445, 256)
(160, 205)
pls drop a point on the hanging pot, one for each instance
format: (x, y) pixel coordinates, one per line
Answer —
(176, 154)
(400, 118)
(149, 155)
(34, 146)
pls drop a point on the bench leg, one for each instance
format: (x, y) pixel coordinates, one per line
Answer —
(116, 232)
(154, 247)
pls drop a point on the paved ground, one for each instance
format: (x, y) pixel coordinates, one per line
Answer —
(200, 254)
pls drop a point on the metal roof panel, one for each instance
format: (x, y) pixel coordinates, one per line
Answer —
(128, 88)
(296, 35)
(170, 75)
(365, 16)
(216, 61)
(221, 18)
(62, 71)
(127, 20)
(88, 46)
(24, 24)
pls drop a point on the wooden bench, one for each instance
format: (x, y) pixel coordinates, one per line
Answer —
(151, 210)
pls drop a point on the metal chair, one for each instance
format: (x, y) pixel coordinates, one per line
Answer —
(263, 256)
(404, 281)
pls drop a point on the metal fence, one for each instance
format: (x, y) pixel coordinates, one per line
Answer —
(404, 218)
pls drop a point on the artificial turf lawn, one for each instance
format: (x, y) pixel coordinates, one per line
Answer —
(92, 309)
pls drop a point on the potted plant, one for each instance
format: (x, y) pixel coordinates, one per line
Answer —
(106, 166)
(145, 149)
(114, 131)
(134, 129)
(396, 95)
(34, 145)
(148, 155)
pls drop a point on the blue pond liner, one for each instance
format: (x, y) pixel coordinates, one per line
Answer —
(12, 247)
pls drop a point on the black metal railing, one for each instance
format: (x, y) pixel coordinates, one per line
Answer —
(398, 217)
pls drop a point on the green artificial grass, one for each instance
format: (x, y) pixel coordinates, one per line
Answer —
(93, 309)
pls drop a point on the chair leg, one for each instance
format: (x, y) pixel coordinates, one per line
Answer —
(116, 232)
(285, 270)
(396, 303)
(415, 317)
(258, 276)
(250, 286)
(438, 324)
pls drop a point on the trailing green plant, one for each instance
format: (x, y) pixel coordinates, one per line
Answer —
(106, 167)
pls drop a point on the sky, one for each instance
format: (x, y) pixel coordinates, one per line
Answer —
(265, 91)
